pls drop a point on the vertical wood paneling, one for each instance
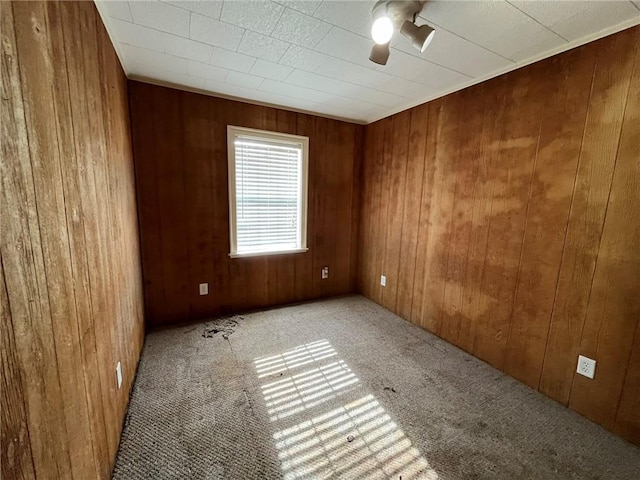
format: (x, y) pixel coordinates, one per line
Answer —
(627, 419)
(429, 176)
(439, 216)
(613, 309)
(396, 181)
(527, 229)
(475, 302)
(411, 210)
(381, 175)
(467, 119)
(512, 168)
(601, 134)
(356, 200)
(565, 109)
(625, 202)
(182, 188)
(16, 453)
(71, 271)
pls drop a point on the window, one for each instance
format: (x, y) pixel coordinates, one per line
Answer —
(267, 192)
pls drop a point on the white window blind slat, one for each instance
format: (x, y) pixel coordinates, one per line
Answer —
(269, 198)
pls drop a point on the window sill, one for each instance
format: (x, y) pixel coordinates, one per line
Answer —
(263, 254)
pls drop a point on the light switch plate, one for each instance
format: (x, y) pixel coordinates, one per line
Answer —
(383, 280)
(204, 289)
(325, 273)
(586, 366)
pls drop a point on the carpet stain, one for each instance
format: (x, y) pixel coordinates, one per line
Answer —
(224, 325)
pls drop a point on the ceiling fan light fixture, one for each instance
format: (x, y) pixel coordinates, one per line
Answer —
(420, 36)
(380, 54)
(382, 30)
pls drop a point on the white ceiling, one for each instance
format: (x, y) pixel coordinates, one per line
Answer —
(314, 55)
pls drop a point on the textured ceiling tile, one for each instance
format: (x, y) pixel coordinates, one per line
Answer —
(473, 39)
(354, 16)
(214, 32)
(262, 46)
(347, 46)
(271, 70)
(250, 94)
(219, 86)
(258, 16)
(210, 8)
(575, 19)
(300, 29)
(205, 70)
(116, 9)
(286, 101)
(304, 6)
(167, 76)
(137, 35)
(161, 16)
(295, 91)
(338, 110)
(440, 78)
(407, 88)
(403, 65)
(142, 56)
(231, 60)
(185, 48)
(489, 24)
(304, 59)
(243, 79)
(456, 53)
(343, 89)
(349, 107)
(317, 82)
(350, 72)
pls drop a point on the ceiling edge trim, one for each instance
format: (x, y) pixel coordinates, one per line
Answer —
(536, 58)
(550, 53)
(209, 93)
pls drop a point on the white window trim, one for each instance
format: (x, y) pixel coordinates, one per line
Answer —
(232, 131)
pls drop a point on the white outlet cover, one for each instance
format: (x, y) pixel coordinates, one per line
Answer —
(119, 374)
(325, 272)
(586, 366)
(204, 289)
(383, 280)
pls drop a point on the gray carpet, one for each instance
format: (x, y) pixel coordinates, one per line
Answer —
(343, 388)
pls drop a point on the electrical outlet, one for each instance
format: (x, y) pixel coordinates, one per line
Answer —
(204, 289)
(383, 280)
(325, 273)
(586, 366)
(119, 374)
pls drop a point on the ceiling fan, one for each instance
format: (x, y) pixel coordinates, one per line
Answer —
(389, 15)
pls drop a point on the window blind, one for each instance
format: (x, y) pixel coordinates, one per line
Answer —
(268, 194)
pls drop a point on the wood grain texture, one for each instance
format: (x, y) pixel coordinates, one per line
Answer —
(181, 172)
(72, 288)
(526, 232)
(598, 156)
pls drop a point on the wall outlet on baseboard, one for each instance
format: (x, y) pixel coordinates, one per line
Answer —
(204, 289)
(383, 280)
(325, 273)
(119, 374)
(586, 367)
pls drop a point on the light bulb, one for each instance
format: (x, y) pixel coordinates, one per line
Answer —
(382, 30)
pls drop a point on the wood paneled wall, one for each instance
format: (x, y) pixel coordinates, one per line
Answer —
(71, 289)
(506, 218)
(180, 148)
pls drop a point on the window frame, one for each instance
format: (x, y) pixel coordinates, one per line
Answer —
(303, 142)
